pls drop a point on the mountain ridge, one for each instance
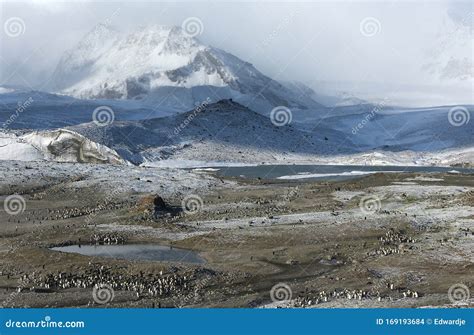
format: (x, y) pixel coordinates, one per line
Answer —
(197, 133)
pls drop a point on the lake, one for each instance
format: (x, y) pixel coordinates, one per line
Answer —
(323, 172)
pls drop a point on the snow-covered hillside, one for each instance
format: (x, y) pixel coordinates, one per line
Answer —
(228, 132)
(23, 110)
(163, 66)
(222, 131)
(393, 129)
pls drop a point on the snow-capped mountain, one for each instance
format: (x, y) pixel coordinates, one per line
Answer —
(153, 78)
(450, 58)
(166, 67)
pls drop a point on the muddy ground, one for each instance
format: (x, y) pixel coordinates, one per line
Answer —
(383, 240)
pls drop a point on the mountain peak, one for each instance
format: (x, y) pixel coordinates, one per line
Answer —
(151, 62)
(97, 35)
(155, 34)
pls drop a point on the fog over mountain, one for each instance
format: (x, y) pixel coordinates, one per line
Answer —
(165, 66)
(415, 54)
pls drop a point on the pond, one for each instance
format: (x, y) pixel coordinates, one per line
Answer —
(140, 252)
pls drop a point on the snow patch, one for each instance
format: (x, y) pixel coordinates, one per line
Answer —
(4, 90)
(67, 146)
(59, 145)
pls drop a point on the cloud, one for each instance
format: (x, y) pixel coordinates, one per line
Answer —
(312, 42)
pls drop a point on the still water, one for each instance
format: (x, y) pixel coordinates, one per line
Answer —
(146, 252)
(323, 172)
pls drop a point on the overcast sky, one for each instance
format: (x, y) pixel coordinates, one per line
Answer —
(369, 48)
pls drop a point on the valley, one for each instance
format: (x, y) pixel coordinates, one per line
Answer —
(152, 170)
(382, 240)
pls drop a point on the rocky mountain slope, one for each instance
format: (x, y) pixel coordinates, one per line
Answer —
(222, 131)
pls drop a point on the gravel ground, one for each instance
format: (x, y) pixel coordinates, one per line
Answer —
(383, 240)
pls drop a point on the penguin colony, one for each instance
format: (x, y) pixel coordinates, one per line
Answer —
(326, 296)
(66, 213)
(393, 242)
(144, 285)
(106, 239)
